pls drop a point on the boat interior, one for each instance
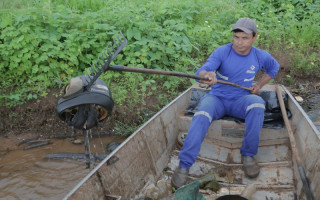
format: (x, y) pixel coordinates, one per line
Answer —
(151, 153)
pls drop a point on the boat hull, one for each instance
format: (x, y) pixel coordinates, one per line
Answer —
(152, 152)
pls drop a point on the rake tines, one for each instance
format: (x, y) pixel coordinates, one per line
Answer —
(104, 61)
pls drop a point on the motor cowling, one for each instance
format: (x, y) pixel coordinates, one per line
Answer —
(83, 107)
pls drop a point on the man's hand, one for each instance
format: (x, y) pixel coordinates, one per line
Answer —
(255, 89)
(211, 76)
(257, 86)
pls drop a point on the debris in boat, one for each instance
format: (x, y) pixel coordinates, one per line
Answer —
(299, 99)
(212, 185)
(180, 140)
(160, 190)
(192, 190)
(77, 141)
(75, 156)
(152, 192)
(188, 192)
(35, 144)
(207, 192)
(220, 172)
(209, 182)
(164, 188)
(112, 146)
(248, 191)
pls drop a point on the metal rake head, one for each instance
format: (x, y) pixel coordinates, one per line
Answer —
(104, 61)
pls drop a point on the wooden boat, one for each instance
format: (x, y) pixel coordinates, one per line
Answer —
(151, 153)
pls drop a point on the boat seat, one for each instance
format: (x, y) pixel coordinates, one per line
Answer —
(272, 119)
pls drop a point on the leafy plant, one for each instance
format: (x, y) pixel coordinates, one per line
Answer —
(44, 43)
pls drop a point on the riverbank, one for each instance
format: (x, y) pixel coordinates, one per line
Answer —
(37, 119)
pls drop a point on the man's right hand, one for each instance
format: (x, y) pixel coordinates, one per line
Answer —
(211, 76)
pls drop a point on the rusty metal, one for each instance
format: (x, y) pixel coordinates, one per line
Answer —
(86, 147)
(104, 61)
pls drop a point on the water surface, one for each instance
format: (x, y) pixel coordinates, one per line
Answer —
(26, 174)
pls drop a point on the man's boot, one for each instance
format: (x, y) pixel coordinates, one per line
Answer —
(250, 166)
(179, 178)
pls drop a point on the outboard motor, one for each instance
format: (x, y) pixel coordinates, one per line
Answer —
(83, 109)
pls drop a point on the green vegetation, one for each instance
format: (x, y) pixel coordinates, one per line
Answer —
(43, 43)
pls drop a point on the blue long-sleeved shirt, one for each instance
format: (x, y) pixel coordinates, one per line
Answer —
(240, 69)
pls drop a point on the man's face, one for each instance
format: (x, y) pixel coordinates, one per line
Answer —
(242, 42)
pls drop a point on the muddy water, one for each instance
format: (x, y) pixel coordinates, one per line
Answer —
(26, 174)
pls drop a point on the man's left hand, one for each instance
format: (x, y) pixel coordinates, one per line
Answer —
(255, 89)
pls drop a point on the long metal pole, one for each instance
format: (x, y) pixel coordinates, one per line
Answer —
(168, 73)
(86, 147)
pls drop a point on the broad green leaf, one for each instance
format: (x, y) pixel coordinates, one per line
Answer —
(35, 69)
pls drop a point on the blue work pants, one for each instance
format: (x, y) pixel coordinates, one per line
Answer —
(249, 107)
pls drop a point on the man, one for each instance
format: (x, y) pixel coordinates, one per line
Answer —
(237, 62)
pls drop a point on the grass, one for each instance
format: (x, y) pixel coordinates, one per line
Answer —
(43, 43)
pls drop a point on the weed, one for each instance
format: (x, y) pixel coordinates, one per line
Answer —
(45, 43)
(289, 80)
(124, 129)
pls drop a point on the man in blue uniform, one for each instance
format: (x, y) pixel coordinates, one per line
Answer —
(237, 62)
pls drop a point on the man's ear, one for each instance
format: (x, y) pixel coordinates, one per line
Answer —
(255, 37)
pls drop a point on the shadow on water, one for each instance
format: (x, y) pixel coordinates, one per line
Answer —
(27, 174)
